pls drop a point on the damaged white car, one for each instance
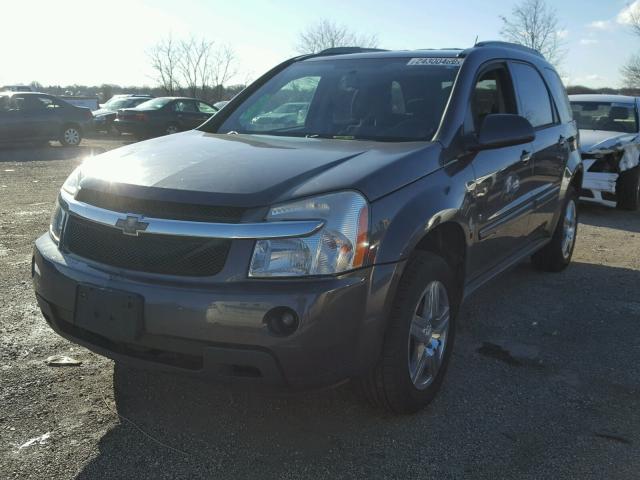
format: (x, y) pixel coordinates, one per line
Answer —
(610, 148)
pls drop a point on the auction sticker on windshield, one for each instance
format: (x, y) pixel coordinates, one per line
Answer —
(435, 61)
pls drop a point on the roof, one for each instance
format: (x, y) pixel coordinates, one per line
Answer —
(364, 53)
(356, 52)
(127, 95)
(595, 97)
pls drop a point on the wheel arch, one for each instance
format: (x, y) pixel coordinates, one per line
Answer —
(577, 177)
(449, 241)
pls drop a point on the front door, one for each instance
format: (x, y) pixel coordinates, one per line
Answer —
(504, 178)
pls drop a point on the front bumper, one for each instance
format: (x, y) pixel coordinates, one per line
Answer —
(599, 187)
(217, 330)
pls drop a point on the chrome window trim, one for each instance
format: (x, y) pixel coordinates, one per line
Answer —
(162, 226)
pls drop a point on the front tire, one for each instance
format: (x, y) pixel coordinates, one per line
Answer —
(419, 338)
(628, 189)
(71, 136)
(556, 255)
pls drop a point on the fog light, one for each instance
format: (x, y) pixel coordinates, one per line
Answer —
(281, 321)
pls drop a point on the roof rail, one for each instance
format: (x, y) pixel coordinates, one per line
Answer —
(514, 46)
(347, 50)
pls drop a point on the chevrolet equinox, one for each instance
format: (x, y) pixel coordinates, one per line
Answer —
(325, 225)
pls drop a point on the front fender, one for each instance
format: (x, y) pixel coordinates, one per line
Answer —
(574, 167)
(401, 219)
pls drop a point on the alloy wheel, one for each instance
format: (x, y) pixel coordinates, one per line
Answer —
(569, 228)
(428, 335)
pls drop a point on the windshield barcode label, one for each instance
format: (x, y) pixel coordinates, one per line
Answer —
(435, 61)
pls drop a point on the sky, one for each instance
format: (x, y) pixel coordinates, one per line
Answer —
(63, 42)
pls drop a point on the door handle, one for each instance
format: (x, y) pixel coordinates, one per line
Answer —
(525, 157)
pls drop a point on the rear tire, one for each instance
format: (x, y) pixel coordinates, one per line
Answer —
(556, 255)
(396, 383)
(71, 136)
(628, 189)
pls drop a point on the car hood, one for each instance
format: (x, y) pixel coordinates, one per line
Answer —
(254, 170)
(592, 140)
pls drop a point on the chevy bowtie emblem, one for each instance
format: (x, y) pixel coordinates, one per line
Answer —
(131, 225)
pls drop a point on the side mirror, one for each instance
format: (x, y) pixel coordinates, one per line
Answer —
(503, 130)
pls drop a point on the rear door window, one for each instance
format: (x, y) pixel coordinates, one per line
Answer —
(535, 103)
(48, 103)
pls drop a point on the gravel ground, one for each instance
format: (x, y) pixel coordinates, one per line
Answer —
(544, 383)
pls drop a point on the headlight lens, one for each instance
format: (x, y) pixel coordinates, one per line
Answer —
(57, 222)
(342, 244)
(72, 183)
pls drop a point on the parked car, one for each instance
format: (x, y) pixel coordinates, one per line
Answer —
(338, 248)
(16, 88)
(292, 113)
(163, 116)
(38, 117)
(220, 104)
(610, 148)
(103, 117)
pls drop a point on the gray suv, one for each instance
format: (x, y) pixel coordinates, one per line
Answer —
(337, 245)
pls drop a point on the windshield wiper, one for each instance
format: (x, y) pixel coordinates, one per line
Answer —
(327, 135)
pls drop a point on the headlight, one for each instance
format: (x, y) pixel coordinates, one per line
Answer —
(72, 183)
(57, 222)
(342, 244)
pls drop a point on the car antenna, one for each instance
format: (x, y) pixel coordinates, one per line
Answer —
(476, 42)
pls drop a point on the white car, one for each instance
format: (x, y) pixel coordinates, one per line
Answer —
(610, 148)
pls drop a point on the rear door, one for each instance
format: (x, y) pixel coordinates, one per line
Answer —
(47, 116)
(5, 117)
(187, 114)
(503, 176)
(550, 147)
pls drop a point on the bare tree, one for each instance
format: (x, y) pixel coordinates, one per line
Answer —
(221, 68)
(631, 16)
(534, 24)
(165, 61)
(631, 71)
(328, 34)
(193, 64)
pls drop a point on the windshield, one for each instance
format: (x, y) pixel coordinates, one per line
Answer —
(613, 117)
(386, 99)
(154, 104)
